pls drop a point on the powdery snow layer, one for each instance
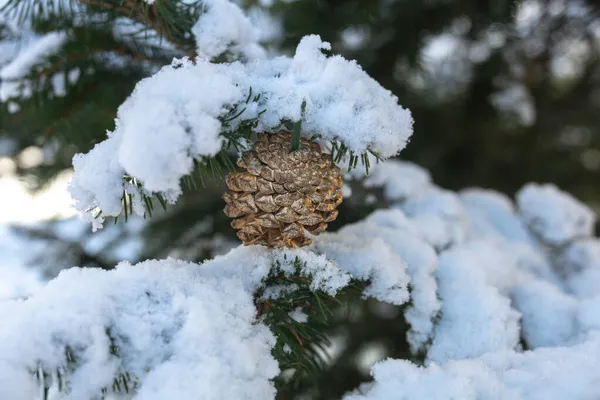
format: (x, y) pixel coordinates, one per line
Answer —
(554, 216)
(475, 317)
(546, 374)
(169, 319)
(224, 27)
(415, 179)
(506, 276)
(415, 265)
(175, 117)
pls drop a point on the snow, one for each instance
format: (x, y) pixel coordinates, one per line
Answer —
(402, 380)
(439, 216)
(548, 315)
(493, 214)
(159, 151)
(370, 260)
(587, 316)
(554, 216)
(299, 316)
(343, 102)
(479, 278)
(324, 274)
(168, 319)
(585, 283)
(175, 117)
(414, 182)
(512, 276)
(579, 264)
(270, 26)
(181, 329)
(475, 317)
(397, 232)
(18, 282)
(9, 44)
(547, 374)
(224, 27)
(581, 255)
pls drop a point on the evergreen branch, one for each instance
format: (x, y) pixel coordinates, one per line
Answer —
(121, 50)
(156, 16)
(170, 19)
(301, 347)
(340, 153)
(205, 168)
(237, 130)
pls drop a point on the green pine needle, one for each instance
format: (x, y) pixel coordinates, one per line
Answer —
(301, 347)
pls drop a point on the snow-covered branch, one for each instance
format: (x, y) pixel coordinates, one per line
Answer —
(190, 111)
(179, 329)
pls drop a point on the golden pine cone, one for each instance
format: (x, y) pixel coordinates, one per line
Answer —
(281, 194)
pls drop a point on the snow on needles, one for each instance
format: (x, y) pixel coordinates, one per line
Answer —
(529, 273)
(175, 117)
(570, 218)
(224, 27)
(174, 331)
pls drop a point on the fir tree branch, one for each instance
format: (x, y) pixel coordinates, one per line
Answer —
(301, 347)
(147, 14)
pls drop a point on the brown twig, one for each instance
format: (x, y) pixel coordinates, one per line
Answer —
(296, 336)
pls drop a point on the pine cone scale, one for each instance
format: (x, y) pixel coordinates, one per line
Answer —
(266, 203)
(264, 186)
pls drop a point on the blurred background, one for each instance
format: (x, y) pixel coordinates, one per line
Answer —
(502, 93)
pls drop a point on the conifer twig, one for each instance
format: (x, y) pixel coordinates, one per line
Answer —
(131, 10)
